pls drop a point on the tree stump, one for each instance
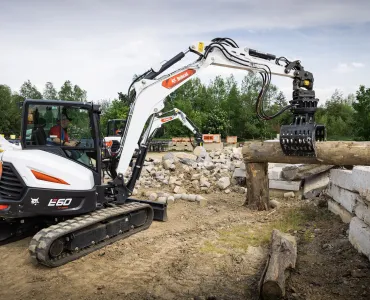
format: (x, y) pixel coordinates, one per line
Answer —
(282, 258)
(257, 186)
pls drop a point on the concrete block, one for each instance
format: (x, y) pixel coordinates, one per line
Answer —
(362, 211)
(359, 236)
(344, 197)
(361, 178)
(315, 184)
(240, 173)
(342, 178)
(339, 210)
(285, 185)
(275, 173)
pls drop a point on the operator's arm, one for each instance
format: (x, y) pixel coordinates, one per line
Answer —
(60, 142)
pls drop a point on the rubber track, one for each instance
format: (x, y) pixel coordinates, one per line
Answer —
(41, 242)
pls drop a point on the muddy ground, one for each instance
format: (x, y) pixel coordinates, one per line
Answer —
(212, 252)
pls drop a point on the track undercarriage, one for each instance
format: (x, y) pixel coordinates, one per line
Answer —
(71, 239)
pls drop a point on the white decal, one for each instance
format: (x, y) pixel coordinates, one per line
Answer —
(35, 201)
(60, 202)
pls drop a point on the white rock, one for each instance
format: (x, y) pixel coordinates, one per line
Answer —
(177, 196)
(172, 167)
(195, 176)
(184, 196)
(168, 163)
(186, 168)
(199, 150)
(170, 156)
(223, 183)
(274, 204)
(209, 165)
(289, 195)
(153, 197)
(192, 197)
(172, 180)
(227, 191)
(178, 190)
(195, 184)
(134, 192)
(162, 199)
(203, 182)
(156, 162)
(170, 199)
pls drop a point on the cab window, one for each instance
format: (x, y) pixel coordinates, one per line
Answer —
(58, 126)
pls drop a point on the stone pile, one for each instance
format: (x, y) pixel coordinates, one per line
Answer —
(203, 172)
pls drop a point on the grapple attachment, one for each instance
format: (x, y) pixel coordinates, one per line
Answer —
(299, 140)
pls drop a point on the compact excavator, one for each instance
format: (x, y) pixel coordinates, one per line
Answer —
(52, 188)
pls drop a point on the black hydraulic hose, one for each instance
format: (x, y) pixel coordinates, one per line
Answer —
(166, 65)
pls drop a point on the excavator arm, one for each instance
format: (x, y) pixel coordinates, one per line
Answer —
(152, 88)
(162, 119)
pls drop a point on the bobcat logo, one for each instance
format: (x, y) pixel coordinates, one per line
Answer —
(35, 201)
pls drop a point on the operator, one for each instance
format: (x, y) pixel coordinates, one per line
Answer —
(59, 130)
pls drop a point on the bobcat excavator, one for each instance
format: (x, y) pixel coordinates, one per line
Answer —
(52, 188)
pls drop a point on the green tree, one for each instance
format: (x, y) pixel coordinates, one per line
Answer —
(115, 110)
(9, 111)
(29, 91)
(71, 92)
(361, 120)
(50, 92)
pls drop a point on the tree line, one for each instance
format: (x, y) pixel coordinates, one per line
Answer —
(222, 106)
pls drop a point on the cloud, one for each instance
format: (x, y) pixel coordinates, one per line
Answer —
(348, 67)
(100, 45)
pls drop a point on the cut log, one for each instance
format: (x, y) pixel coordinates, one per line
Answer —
(282, 259)
(257, 186)
(328, 153)
(296, 172)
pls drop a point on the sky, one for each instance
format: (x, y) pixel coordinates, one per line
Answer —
(99, 45)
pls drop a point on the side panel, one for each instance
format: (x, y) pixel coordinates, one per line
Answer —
(77, 176)
(37, 202)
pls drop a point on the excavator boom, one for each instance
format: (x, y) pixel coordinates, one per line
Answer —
(152, 88)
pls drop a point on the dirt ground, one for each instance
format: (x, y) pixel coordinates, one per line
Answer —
(212, 252)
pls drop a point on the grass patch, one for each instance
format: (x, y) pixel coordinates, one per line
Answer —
(259, 234)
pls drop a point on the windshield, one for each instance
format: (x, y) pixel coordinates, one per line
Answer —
(68, 128)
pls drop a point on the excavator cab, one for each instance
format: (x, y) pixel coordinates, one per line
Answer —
(66, 128)
(115, 127)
